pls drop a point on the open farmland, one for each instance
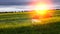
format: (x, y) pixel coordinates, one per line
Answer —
(20, 23)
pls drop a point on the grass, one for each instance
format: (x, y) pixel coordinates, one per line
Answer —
(20, 23)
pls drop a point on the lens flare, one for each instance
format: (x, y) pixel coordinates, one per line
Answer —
(42, 9)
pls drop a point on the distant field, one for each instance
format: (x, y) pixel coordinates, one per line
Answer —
(20, 23)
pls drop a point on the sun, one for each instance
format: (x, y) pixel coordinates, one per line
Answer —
(41, 9)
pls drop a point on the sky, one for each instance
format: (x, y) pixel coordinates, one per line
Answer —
(16, 5)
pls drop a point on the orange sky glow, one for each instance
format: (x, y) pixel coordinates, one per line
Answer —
(42, 8)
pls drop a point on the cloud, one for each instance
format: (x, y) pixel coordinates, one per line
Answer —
(22, 2)
(21, 8)
(14, 8)
(14, 2)
(18, 5)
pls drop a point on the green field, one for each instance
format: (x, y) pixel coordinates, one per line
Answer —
(20, 23)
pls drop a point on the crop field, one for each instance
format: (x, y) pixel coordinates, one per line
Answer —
(20, 23)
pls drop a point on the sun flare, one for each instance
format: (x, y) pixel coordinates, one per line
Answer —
(41, 9)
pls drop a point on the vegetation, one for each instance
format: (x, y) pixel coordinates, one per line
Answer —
(20, 23)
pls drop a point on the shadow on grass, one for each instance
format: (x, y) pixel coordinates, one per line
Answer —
(53, 28)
